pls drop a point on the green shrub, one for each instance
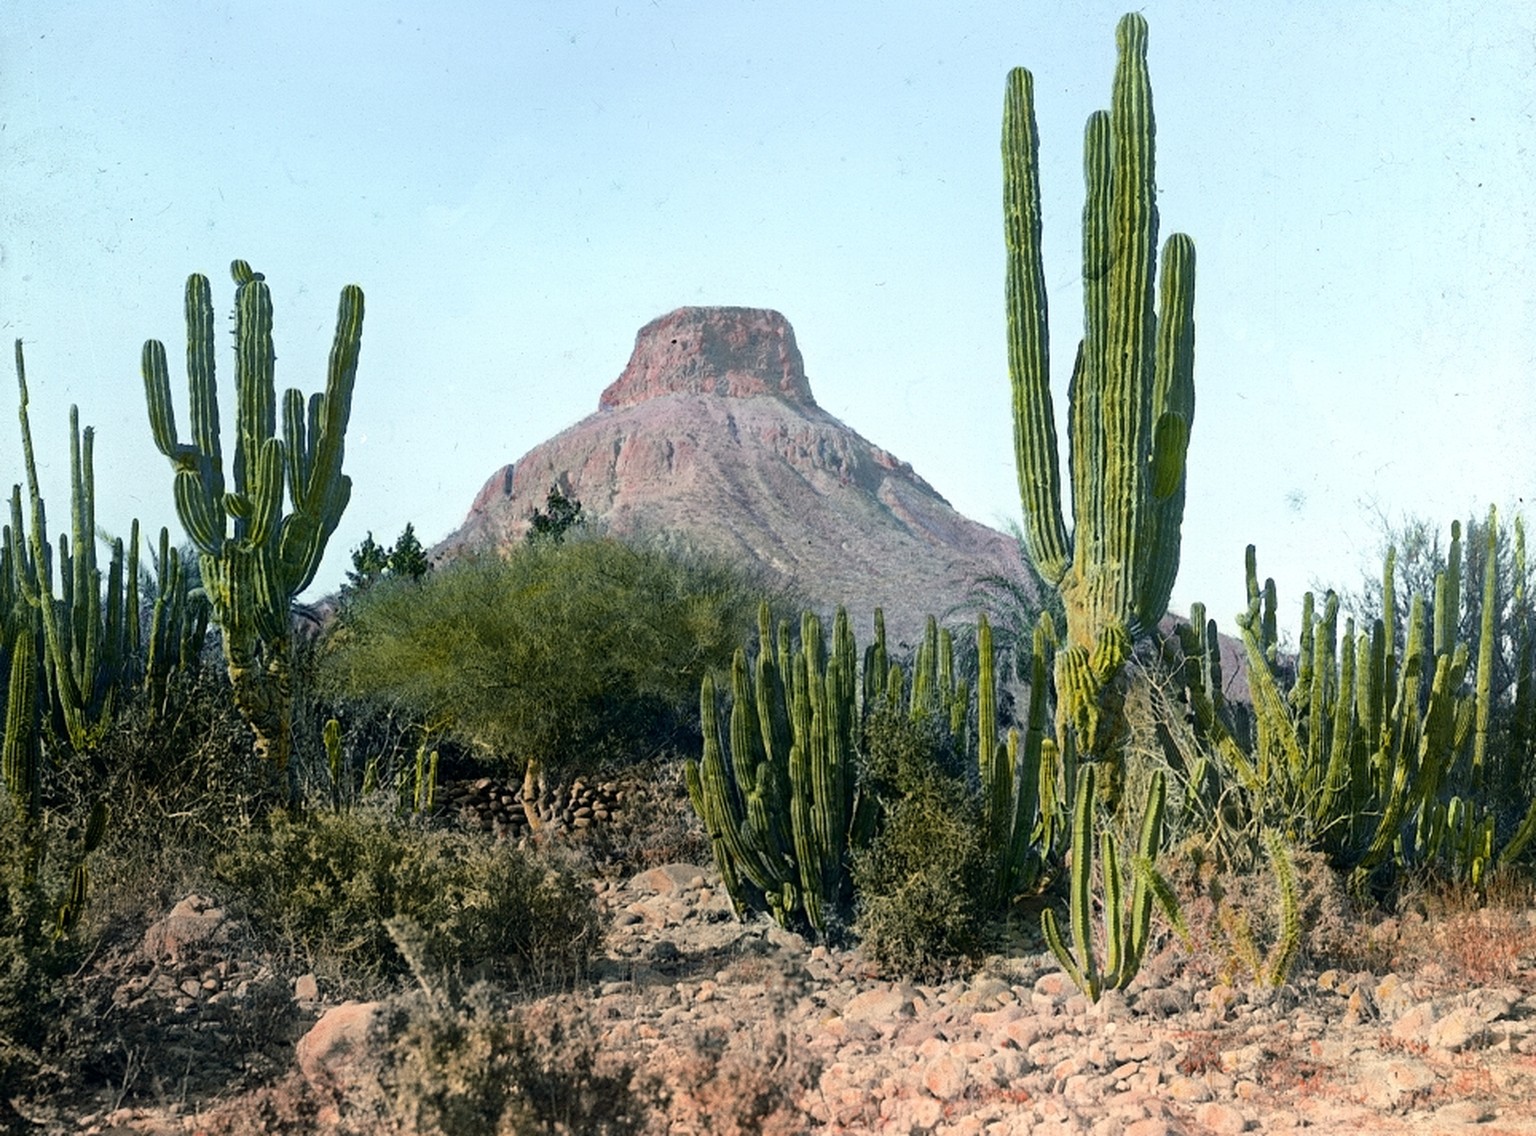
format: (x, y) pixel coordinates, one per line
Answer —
(564, 654)
(921, 883)
(33, 961)
(327, 884)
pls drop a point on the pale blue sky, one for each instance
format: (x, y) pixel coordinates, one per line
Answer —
(519, 185)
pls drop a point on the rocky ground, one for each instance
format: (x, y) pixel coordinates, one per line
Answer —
(742, 1027)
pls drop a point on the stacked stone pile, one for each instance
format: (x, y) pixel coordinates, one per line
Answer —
(488, 805)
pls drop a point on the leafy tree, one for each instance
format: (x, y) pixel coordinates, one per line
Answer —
(407, 559)
(371, 561)
(558, 657)
(559, 516)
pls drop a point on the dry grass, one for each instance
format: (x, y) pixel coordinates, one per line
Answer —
(1480, 936)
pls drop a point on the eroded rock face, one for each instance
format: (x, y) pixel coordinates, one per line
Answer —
(733, 352)
(711, 433)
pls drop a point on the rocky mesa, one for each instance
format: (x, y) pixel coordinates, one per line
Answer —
(712, 434)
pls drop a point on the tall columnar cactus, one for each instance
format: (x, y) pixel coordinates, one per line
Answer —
(255, 558)
(90, 635)
(178, 624)
(1131, 402)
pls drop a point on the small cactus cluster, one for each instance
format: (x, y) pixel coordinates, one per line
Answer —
(71, 644)
(1126, 933)
(779, 790)
(1372, 749)
(90, 634)
(256, 558)
(783, 813)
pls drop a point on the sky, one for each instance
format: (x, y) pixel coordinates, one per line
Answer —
(519, 185)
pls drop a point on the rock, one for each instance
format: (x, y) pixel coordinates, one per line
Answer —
(1220, 1119)
(337, 1046)
(1414, 1024)
(730, 352)
(1463, 1112)
(668, 879)
(880, 1005)
(306, 988)
(1458, 1030)
(194, 922)
(945, 1077)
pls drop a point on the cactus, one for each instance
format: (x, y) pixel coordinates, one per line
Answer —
(784, 811)
(73, 905)
(1125, 935)
(178, 625)
(1010, 772)
(1282, 953)
(1131, 402)
(88, 637)
(1356, 753)
(19, 756)
(255, 558)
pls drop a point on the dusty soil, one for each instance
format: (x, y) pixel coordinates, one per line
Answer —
(743, 1027)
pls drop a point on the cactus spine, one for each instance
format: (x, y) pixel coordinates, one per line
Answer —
(255, 558)
(1131, 402)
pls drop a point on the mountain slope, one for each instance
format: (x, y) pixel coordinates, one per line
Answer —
(711, 433)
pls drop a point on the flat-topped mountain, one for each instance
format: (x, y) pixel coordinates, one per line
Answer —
(711, 432)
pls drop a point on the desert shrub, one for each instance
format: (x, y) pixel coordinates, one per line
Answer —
(33, 961)
(472, 1067)
(564, 653)
(179, 781)
(326, 884)
(920, 885)
(744, 1082)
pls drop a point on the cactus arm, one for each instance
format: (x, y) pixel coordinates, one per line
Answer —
(1115, 956)
(1085, 412)
(1078, 961)
(1487, 638)
(1127, 387)
(202, 389)
(1082, 881)
(18, 754)
(1174, 409)
(1135, 930)
(1282, 955)
(1028, 345)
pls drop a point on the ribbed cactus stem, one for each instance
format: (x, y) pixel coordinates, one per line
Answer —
(85, 640)
(18, 752)
(1131, 399)
(781, 810)
(255, 558)
(1488, 634)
